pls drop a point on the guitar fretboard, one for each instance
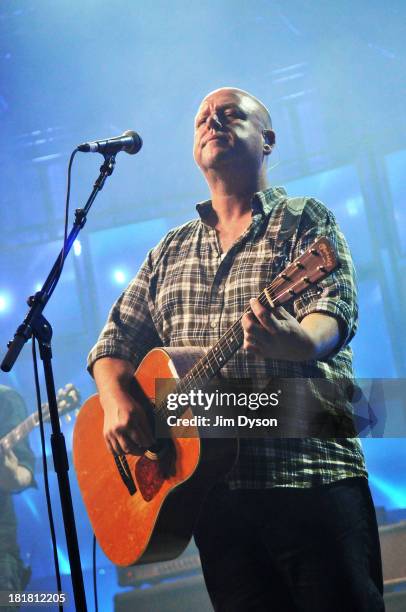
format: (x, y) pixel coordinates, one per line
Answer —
(19, 432)
(67, 399)
(313, 265)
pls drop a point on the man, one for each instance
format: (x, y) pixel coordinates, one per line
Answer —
(293, 527)
(16, 474)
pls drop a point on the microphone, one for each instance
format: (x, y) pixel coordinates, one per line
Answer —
(130, 142)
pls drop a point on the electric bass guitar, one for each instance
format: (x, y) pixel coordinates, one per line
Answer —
(143, 508)
(68, 399)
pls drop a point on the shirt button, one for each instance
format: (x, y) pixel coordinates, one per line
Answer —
(213, 324)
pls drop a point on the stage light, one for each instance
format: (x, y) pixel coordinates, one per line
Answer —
(394, 493)
(353, 206)
(120, 277)
(63, 561)
(77, 248)
(5, 303)
(31, 504)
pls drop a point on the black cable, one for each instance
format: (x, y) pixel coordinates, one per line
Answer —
(45, 468)
(65, 231)
(96, 603)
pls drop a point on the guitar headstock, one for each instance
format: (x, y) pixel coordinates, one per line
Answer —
(317, 262)
(68, 398)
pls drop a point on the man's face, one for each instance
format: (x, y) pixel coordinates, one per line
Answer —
(228, 130)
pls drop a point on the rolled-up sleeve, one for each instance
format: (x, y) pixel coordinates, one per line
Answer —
(335, 295)
(129, 332)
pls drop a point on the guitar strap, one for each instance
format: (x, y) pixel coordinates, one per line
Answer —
(291, 218)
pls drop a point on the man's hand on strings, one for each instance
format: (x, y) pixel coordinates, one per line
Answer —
(275, 334)
(126, 428)
(126, 425)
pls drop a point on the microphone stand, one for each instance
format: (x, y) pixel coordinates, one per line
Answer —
(36, 325)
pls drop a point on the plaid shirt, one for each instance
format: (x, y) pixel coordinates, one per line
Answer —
(187, 294)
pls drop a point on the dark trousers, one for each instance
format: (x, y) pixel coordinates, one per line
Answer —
(291, 550)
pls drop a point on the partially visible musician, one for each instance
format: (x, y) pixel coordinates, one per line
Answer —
(16, 474)
(293, 527)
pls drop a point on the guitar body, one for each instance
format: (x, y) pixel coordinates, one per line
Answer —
(155, 522)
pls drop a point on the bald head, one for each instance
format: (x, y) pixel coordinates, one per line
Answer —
(260, 108)
(232, 131)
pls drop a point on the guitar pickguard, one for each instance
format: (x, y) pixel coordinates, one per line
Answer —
(152, 469)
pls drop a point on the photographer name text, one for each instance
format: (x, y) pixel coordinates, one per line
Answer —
(220, 421)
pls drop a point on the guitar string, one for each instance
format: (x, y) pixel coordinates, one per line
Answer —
(19, 432)
(32, 421)
(210, 364)
(216, 361)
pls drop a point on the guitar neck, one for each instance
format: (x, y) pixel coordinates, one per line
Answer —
(68, 399)
(314, 264)
(20, 432)
(212, 362)
(219, 354)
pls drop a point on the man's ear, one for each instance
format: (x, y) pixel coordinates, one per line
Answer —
(269, 140)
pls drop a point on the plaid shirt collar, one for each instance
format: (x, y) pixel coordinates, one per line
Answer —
(261, 204)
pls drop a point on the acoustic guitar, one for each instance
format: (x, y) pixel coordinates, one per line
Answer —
(143, 508)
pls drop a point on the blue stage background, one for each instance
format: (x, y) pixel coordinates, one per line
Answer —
(333, 77)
